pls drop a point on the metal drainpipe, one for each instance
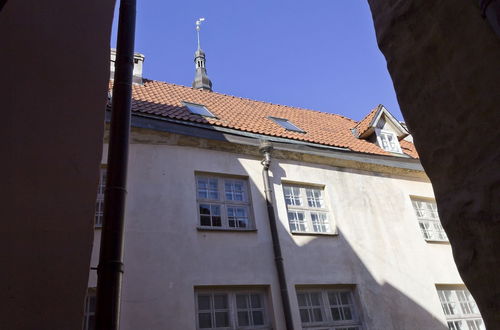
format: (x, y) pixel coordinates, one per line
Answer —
(110, 269)
(266, 149)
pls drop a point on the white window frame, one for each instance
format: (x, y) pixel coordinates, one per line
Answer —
(311, 226)
(225, 205)
(99, 204)
(426, 212)
(459, 308)
(89, 313)
(232, 307)
(381, 137)
(328, 322)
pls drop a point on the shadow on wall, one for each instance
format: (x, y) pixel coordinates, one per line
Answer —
(383, 306)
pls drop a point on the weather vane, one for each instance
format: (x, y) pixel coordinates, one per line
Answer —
(198, 23)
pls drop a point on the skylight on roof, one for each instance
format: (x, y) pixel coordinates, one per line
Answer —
(286, 124)
(198, 109)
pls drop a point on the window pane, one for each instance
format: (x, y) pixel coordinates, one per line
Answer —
(344, 298)
(234, 190)
(301, 298)
(255, 299)
(336, 314)
(389, 141)
(237, 217)
(292, 196)
(205, 221)
(315, 299)
(208, 188)
(341, 305)
(221, 319)
(476, 324)
(314, 198)
(241, 301)
(220, 301)
(210, 215)
(347, 313)
(243, 319)
(205, 320)
(456, 325)
(428, 218)
(304, 316)
(320, 222)
(317, 316)
(203, 302)
(204, 209)
(258, 318)
(297, 221)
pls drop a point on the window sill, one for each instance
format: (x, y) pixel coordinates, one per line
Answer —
(301, 233)
(433, 241)
(251, 230)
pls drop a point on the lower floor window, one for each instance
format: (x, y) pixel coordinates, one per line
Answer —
(89, 311)
(460, 309)
(220, 309)
(476, 324)
(328, 309)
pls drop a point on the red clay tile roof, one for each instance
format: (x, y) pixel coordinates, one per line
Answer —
(364, 124)
(408, 148)
(165, 100)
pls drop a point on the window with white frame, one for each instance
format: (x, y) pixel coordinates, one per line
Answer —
(460, 309)
(233, 309)
(89, 311)
(223, 203)
(99, 204)
(328, 309)
(388, 141)
(306, 209)
(428, 219)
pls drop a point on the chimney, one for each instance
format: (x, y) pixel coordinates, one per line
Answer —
(138, 62)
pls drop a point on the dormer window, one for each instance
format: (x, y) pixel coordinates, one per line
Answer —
(380, 127)
(388, 141)
(198, 109)
(286, 124)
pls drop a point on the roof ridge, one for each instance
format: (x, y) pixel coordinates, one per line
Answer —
(252, 100)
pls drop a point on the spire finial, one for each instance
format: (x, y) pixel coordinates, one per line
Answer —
(198, 23)
(201, 80)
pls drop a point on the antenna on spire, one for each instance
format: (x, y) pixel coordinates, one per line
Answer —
(198, 23)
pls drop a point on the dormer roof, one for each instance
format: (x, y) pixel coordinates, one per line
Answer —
(376, 119)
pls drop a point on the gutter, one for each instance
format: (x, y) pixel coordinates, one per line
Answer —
(280, 144)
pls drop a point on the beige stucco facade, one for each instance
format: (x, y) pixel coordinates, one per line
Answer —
(376, 247)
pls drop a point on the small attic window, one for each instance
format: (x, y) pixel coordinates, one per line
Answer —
(286, 124)
(388, 141)
(198, 109)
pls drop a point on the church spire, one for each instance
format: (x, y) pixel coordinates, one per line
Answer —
(201, 80)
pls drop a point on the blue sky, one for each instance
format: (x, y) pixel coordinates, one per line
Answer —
(317, 54)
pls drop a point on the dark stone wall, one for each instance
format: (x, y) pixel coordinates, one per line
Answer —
(444, 60)
(54, 57)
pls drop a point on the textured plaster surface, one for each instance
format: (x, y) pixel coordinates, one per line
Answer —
(53, 90)
(380, 253)
(444, 61)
